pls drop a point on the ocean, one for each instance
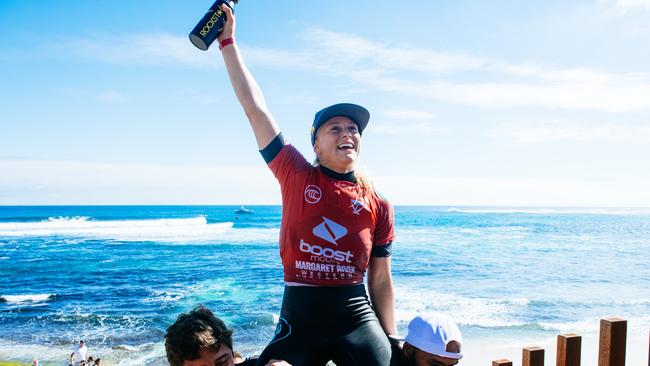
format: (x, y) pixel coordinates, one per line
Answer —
(117, 276)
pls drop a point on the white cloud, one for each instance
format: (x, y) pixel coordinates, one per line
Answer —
(585, 96)
(283, 59)
(541, 132)
(110, 96)
(410, 114)
(513, 192)
(570, 75)
(408, 122)
(347, 49)
(645, 4)
(197, 96)
(420, 73)
(150, 49)
(31, 181)
(408, 129)
(436, 76)
(297, 99)
(628, 5)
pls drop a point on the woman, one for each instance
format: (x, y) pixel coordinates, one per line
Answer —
(334, 228)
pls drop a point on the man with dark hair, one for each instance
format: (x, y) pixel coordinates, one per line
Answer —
(199, 338)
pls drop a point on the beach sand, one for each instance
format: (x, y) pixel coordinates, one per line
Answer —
(476, 352)
(483, 352)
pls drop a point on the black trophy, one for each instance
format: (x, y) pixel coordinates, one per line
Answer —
(210, 25)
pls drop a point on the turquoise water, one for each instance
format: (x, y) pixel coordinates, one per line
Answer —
(118, 276)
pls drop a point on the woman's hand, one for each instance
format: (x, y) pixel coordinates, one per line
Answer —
(229, 26)
(277, 363)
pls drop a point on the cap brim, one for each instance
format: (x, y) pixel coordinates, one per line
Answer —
(455, 356)
(355, 112)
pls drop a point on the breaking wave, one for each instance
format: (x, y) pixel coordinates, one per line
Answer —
(552, 210)
(186, 230)
(26, 299)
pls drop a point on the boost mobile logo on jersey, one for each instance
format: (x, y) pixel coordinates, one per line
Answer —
(313, 194)
(330, 231)
(321, 254)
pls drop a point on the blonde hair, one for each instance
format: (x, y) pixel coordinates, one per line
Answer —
(363, 181)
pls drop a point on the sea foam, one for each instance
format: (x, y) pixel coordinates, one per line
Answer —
(23, 299)
(179, 230)
(552, 210)
(467, 311)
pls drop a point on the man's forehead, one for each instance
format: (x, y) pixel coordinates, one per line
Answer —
(209, 357)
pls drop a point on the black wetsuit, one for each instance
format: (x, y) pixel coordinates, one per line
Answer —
(318, 324)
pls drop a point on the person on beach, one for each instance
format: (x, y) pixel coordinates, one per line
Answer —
(432, 339)
(79, 354)
(335, 227)
(199, 338)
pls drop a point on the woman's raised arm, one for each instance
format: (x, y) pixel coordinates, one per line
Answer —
(248, 92)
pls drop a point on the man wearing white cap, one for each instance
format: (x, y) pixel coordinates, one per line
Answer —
(432, 340)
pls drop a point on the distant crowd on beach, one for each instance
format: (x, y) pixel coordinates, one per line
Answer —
(79, 357)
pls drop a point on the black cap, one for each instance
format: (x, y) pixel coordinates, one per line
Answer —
(355, 112)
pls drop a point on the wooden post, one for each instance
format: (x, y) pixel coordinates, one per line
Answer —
(503, 362)
(568, 350)
(613, 337)
(532, 356)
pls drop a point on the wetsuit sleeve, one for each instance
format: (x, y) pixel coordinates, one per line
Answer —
(287, 163)
(384, 230)
(273, 148)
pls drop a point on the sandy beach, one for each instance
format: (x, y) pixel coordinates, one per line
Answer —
(476, 352)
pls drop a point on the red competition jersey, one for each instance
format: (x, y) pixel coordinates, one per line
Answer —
(328, 227)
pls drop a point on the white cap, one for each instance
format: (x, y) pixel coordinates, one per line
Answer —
(432, 332)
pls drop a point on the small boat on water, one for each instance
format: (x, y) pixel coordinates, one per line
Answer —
(243, 210)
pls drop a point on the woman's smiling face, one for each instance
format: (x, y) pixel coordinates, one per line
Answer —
(338, 143)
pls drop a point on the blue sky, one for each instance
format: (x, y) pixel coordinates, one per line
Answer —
(472, 103)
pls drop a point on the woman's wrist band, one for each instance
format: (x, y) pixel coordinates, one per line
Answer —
(226, 42)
